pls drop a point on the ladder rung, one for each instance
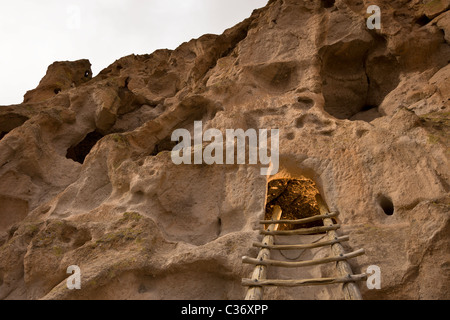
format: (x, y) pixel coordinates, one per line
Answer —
(301, 246)
(306, 282)
(301, 221)
(302, 231)
(306, 263)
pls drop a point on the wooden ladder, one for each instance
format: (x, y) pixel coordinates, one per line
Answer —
(345, 275)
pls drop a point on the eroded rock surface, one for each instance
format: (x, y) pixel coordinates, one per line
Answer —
(86, 176)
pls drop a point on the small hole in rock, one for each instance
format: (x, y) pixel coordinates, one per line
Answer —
(328, 3)
(290, 136)
(368, 107)
(304, 102)
(387, 205)
(138, 195)
(57, 90)
(423, 20)
(86, 74)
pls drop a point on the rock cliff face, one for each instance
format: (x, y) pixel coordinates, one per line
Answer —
(86, 176)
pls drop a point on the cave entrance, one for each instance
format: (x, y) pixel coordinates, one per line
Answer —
(297, 200)
(79, 152)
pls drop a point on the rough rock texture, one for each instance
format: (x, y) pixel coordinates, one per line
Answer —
(60, 76)
(86, 176)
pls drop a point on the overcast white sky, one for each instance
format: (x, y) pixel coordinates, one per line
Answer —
(35, 33)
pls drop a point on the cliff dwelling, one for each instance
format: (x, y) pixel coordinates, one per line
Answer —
(87, 178)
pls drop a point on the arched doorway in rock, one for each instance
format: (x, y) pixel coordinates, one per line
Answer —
(297, 200)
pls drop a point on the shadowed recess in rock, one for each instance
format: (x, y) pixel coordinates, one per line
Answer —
(328, 3)
(356, 79)
(10, 121)
(423, 20)
(79, 152)
(164, 145)
(296, 199)
(387, 205)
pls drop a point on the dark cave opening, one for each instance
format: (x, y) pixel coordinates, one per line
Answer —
(387, 205)
(79, 152)
(328, 3)
(297, 200)
(422, 20)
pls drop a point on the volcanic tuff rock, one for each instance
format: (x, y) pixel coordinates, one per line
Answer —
(86, 176)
